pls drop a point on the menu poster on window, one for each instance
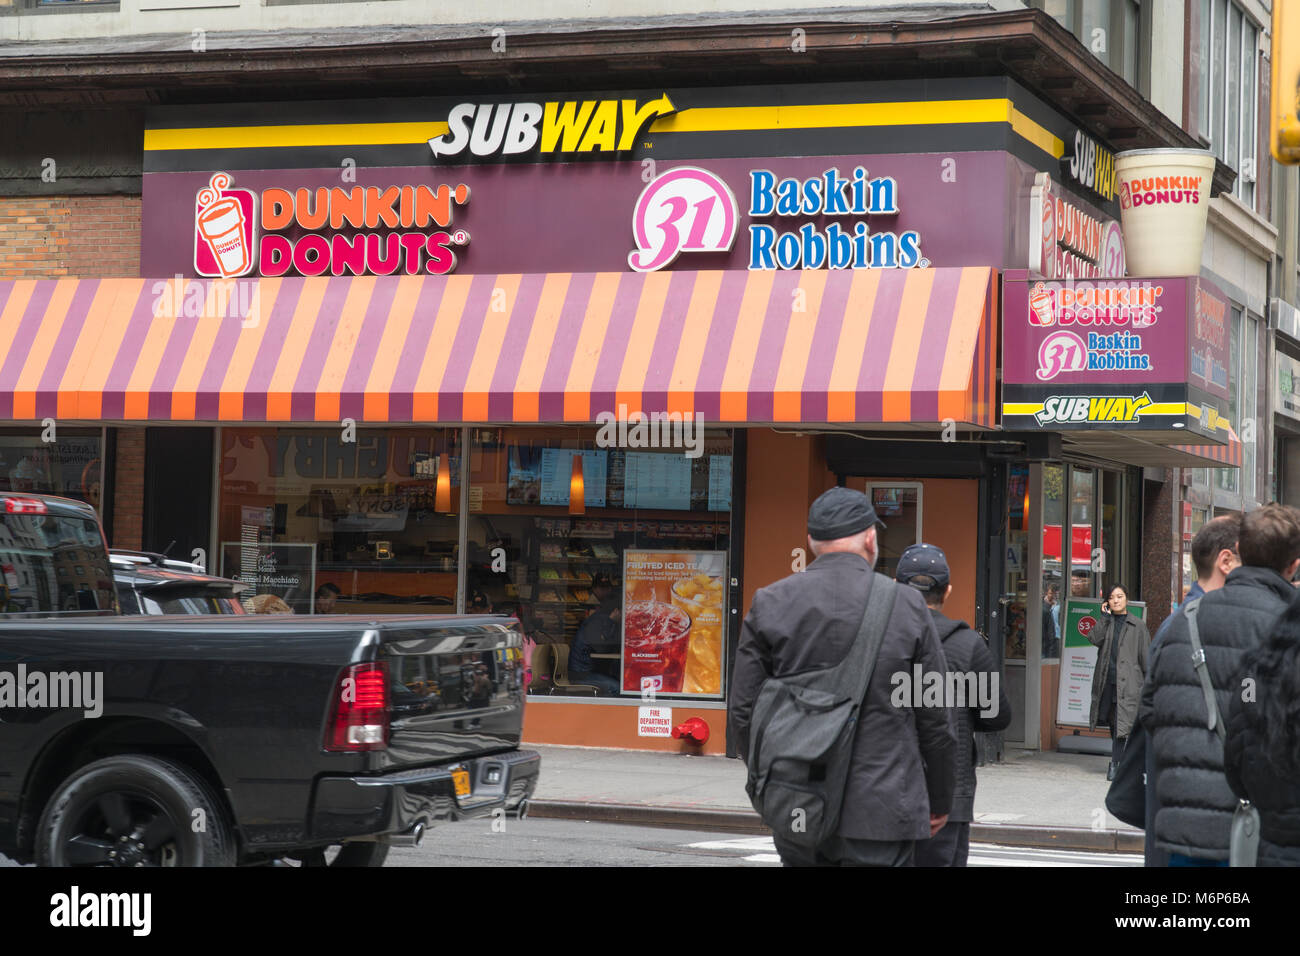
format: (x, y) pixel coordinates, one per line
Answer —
(674, 609)
(557, 471)
(524, 475)
(287, 571)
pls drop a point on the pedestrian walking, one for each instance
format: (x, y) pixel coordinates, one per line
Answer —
(1123, 641)
(1214, 555)
(1262, 751)
(1195, 816)
(972, 668)
(900, 767)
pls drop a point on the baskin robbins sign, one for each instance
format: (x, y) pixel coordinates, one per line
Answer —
(358, 230)
(811, 222)
(1139, 355)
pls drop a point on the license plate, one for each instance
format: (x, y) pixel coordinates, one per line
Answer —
(461, 780)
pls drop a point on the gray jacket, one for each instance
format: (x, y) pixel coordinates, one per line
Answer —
(1196, 802)
(1130, 671)
(903, 757)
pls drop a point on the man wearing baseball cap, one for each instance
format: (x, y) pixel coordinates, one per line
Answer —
(925, 568)
(900, 777)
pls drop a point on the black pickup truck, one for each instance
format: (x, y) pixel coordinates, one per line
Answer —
(191, 740)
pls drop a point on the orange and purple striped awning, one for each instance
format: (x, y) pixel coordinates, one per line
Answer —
(1227, 454)
(854, 347)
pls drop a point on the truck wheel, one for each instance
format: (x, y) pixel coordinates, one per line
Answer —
(350, 854)
(133, 810)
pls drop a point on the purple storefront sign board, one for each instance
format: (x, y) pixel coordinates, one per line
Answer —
(1164, 338)
(578, 217)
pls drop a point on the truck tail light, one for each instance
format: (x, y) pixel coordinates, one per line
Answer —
(24, 506)
(360, 711)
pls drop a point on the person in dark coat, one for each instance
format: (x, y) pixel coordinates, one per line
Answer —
(1261, 755)
(1196, 804)
(1214, 554)
(985, 707)
(900, 779)
(1121, 670)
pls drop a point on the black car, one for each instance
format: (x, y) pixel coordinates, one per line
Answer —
(148, 583)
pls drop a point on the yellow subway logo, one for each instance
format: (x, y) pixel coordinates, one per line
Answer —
(1075, 409)
(555, 127)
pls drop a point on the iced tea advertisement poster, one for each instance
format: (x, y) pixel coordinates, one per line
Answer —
(1079, 657)
(674, 606)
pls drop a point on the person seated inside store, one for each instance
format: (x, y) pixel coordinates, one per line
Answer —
(599, 634)
(479, 603)
(326, 596)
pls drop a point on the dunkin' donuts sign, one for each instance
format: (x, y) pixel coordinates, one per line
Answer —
(326, 231)
(1066, 243)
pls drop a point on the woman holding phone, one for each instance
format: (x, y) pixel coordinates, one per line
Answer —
(1121, 669)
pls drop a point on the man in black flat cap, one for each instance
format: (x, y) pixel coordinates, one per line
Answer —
(900, 781)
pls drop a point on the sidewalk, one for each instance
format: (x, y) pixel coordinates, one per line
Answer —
(1030, 799)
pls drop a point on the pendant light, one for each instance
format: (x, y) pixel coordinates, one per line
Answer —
(442, 494)
(577, 491)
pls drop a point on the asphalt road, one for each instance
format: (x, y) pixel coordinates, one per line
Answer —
(512, 842)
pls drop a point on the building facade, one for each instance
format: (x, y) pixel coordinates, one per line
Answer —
(384, 316)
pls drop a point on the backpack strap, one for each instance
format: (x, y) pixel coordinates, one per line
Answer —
(1215, 723)
(853, 676)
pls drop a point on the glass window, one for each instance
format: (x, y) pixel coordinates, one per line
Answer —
(1227, 64)
(68, 467)
(1053, 570)
(629, 587)
(343, 526)
(1015, 592)
(1249, 410)
(38, 572)
(902, 504)
(1083, 581)
(1132, 12)
(1226, 478)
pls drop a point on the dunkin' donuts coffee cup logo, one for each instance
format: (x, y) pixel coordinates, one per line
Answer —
(225, 223)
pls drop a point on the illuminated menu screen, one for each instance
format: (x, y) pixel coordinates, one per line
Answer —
(557, 471)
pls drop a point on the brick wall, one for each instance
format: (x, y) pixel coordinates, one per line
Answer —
(128, 490)
(47, 237)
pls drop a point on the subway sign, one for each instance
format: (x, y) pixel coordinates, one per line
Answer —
(553, 128)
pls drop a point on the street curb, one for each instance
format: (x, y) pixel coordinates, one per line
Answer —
(746, 821)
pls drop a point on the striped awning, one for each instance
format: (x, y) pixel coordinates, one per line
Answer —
(1227, 455)
(864, 346)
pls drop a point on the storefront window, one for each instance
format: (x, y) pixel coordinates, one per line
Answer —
(1083, 580)
(1015, 596)
(628, 594)
(1106, 556)
(1054, 585)
(899, 507)
(356, 517)
(68, 466)
(1225, 479)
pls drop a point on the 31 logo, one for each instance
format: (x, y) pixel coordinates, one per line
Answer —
(683, 210)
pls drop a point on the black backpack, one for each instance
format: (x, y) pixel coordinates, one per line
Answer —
(803, 730)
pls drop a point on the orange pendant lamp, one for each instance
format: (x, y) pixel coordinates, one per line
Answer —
(577, 490)
(442, 494)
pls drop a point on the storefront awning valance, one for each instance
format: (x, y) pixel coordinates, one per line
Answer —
(863, 346)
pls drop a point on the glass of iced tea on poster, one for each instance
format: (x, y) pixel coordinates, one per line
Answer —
(700, 596)
(655, 638)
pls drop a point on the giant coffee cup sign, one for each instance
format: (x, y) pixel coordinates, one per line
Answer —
(1164, 198)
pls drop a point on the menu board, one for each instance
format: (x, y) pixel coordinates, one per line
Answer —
(719, 482)
(657, 481)
(557, 471)
(674, 607)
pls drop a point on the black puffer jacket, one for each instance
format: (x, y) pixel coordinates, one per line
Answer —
(1253, 776)
(968, 653)
(1196, 803)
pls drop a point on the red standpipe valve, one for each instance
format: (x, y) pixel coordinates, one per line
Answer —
(693, 729)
